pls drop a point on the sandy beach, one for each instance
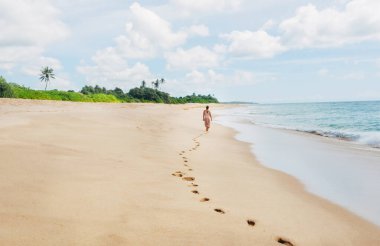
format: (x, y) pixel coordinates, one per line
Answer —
(147, 174)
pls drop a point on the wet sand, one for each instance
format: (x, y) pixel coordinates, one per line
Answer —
(343, 172)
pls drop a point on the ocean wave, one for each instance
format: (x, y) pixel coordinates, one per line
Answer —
(337, 134)
(371, 139)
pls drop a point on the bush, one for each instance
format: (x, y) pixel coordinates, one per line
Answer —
(145, 94)
(103, 98)
(26, 93)
(5, 89)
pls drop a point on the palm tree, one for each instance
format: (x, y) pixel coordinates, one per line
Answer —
(46, 75)
(162, 81)
(156, 84)
(143, 84)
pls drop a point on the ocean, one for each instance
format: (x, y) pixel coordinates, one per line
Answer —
(332, 148)
(358, 122)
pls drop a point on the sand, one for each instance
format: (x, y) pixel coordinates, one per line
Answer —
(146, 174)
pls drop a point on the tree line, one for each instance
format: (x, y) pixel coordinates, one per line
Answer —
(147, 94)
(100, 94)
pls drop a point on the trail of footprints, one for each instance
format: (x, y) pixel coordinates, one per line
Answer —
(191, 179)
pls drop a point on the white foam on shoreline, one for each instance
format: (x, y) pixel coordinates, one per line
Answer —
(336, 170)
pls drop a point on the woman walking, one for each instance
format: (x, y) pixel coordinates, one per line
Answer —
(207, 118)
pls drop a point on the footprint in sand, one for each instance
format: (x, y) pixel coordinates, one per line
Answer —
(195, 191)
(251, 222)
(188, 178)
(178, 174)
(284, 242)
(195, 185)
(205, 199)
(185, 165)
(190, 169)
(218, 210)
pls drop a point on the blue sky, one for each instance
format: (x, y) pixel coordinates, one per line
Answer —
(263, 51)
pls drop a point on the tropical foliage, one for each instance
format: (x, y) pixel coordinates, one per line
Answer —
(5, 88)
(101, 94)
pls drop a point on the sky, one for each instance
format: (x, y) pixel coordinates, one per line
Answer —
(265, 51)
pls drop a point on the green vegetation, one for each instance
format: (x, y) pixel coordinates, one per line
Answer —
(197, 99)
(26, 93)
(145, 94)
(101, 94)
(5, 88)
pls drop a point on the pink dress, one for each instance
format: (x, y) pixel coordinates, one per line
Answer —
(207, 118)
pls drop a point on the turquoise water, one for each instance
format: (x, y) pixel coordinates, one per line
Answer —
(354, 121)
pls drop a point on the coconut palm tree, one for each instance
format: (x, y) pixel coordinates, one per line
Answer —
(47, 73)
(156, 84)
(162, 81)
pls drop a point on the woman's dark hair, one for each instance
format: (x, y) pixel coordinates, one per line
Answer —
(206, 107)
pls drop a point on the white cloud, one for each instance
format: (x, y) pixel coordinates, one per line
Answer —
(109, 67)
(198, 30)
(205, 82)
(208, 5)
(213, 78)
(27, 28)
(156, 29)
(268, 25)
(249, 44)
(203, 78)
(134, 45)
(11, 56)
(146, 34)
(34, 68)
(310, 27)
(220, 48)
(196, 57)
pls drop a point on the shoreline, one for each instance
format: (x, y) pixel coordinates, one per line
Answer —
(96, 174)
(339, 157)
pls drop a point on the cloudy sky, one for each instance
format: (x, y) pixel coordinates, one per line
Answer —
(262, 50)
